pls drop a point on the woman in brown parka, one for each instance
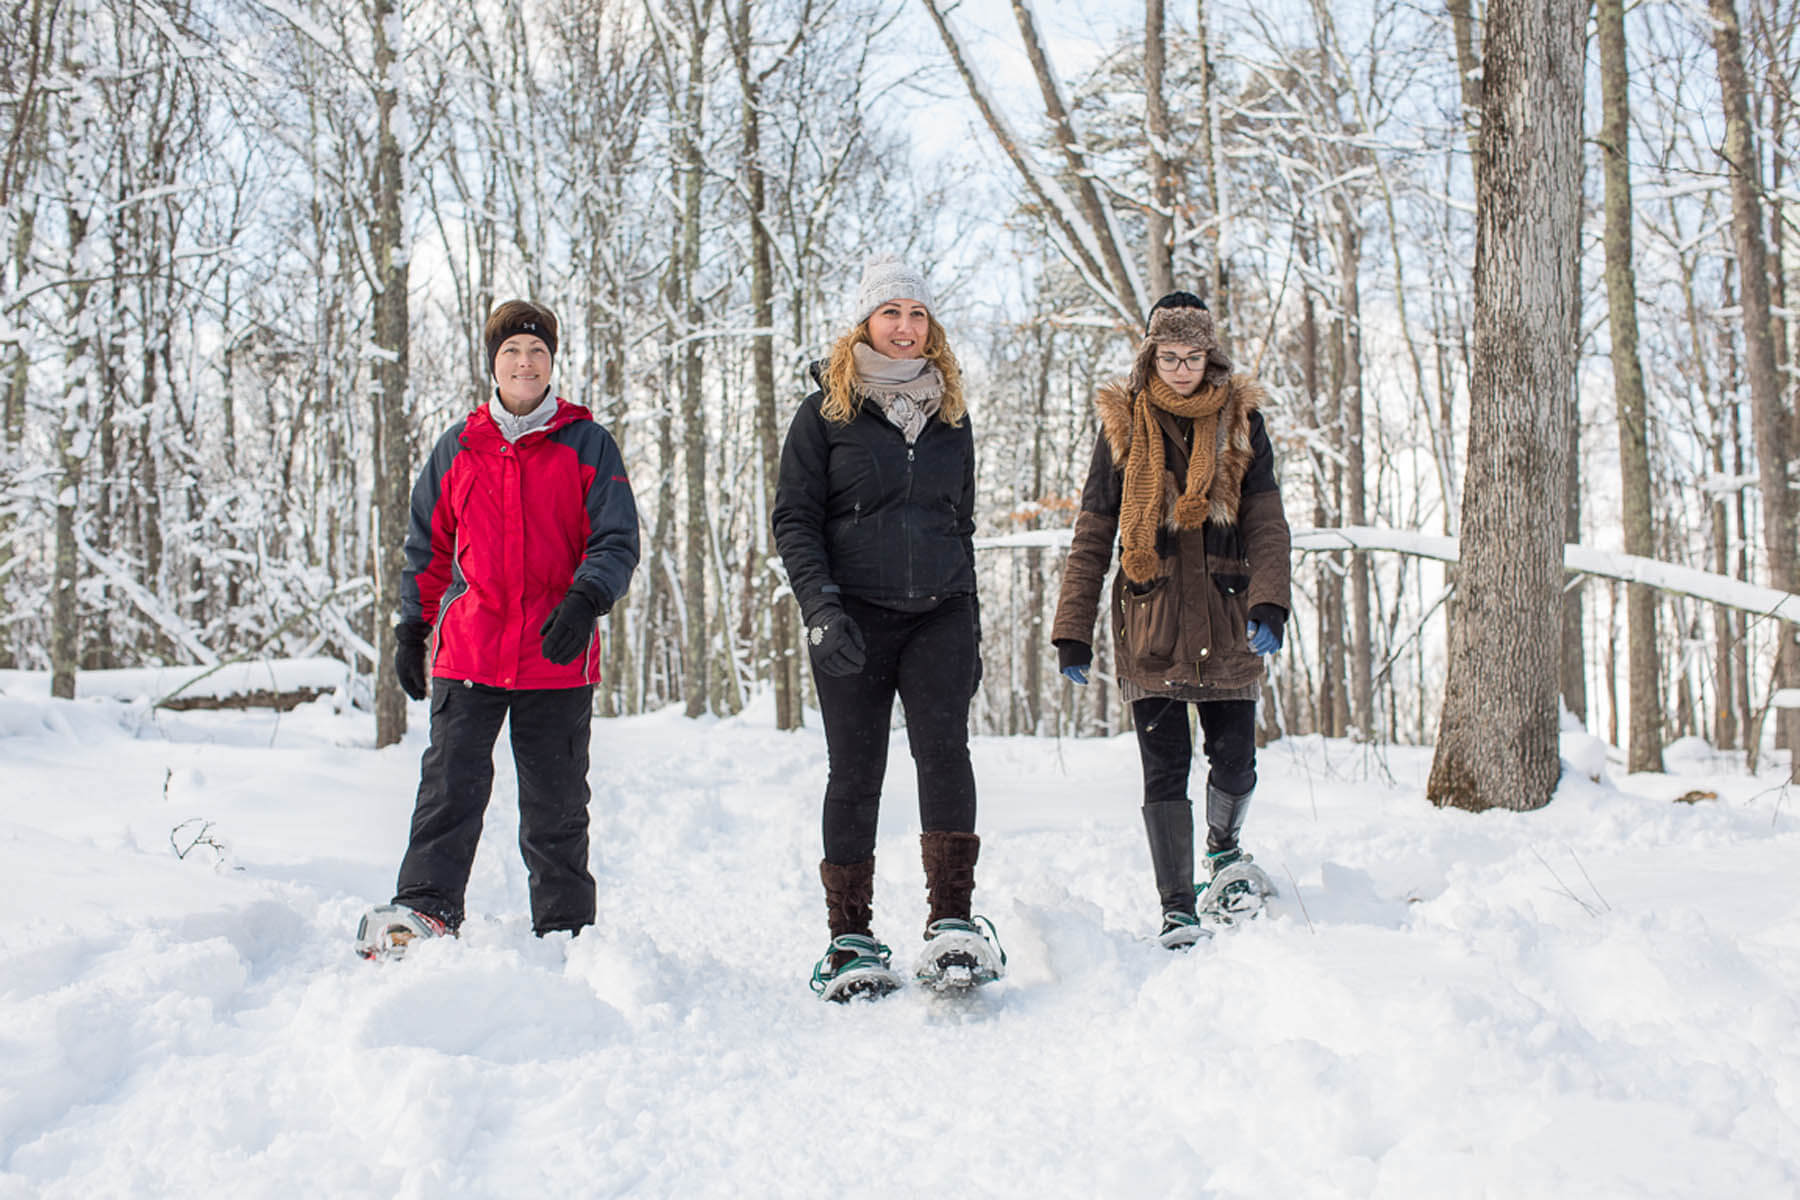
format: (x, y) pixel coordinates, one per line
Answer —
(1183, 474)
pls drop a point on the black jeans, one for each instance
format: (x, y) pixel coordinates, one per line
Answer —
(928, 659)
(1229, 731)
(550, 730)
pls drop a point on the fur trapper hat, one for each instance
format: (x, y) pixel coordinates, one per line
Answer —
(1180, 318)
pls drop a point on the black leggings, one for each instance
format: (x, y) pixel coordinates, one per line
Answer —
(1229, 729)
(928, 659)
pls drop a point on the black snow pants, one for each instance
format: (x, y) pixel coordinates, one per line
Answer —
(550, 730)
(928, 660)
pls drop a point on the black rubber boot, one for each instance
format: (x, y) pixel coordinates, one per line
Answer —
(1170, 826)
(1224, 819)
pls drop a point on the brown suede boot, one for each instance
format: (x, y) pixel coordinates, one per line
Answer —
(849, 898)
(959, 953)
(949, 873)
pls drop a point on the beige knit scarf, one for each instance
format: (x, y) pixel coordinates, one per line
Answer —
(1141, 502)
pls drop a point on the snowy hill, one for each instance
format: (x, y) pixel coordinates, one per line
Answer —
(1597, 1000)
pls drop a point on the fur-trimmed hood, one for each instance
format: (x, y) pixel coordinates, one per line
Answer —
(1244, 395)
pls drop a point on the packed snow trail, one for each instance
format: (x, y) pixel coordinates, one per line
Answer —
(1597, 999)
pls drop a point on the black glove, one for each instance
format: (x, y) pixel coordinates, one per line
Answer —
(976, 686)
(834, 641)
(1073, 659)
(570, 625)
(409, 656)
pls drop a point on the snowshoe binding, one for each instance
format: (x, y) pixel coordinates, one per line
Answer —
(1181, 930)
(1238, 890)
(960, 954)
(855, 967)
(388, 930)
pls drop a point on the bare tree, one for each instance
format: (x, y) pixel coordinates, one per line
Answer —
(1497, 738)
(1160, 212)
(1082, 226)
(1769, 417)
(1628, 388)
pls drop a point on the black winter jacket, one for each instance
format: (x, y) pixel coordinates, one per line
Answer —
(860, 512)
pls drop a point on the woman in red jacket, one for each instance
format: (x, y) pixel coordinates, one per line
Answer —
(523, 533)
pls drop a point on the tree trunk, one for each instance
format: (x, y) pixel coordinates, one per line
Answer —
(1468, 65)
(1361, 642)
(393, 441)
(1160, 214)
(1334, 659)
(1497, 737)
(1218, 281)
(781, 642)
(1572, 675)
(1731, 388)
(12, 419)
(1769, 417)
(73, 439)
(1644, 670)
(696, 675)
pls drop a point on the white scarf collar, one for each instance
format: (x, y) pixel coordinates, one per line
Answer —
(514, 426)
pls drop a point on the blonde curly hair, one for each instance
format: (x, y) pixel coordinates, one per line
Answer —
(842, 402)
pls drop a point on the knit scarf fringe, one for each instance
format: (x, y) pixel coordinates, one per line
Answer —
(1142, 500)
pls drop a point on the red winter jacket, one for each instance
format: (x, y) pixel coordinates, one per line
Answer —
(498, 532)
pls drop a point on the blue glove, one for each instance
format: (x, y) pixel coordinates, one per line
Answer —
(1076, 674)
(1264, 639)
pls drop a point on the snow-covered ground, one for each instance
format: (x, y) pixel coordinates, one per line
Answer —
(1596, 1000)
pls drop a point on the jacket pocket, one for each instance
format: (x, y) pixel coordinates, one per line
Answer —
(1226, 559)
(1150, 619)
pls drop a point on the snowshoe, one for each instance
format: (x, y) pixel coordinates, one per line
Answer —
(387, 930)
(1181, 930)
(855, 966)
(1238, 890)
(958, 954)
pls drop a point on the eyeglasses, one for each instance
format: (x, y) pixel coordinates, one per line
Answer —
(1192, 362)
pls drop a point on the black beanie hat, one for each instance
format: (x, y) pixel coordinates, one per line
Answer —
(516, 317)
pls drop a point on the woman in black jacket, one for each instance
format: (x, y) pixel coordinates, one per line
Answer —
(874, 519)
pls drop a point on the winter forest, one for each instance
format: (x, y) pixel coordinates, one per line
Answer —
(248, 246)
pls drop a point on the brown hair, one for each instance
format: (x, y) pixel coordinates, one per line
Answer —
(513, 318)
(841, 401)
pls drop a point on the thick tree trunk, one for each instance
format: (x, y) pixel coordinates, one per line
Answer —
(1769, 416)
(1497, 738)
(393, 441)
(1644, 680)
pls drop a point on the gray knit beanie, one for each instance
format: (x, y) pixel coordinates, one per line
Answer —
(886, 278)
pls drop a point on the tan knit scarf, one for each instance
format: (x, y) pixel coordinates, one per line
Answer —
(1141, 503)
